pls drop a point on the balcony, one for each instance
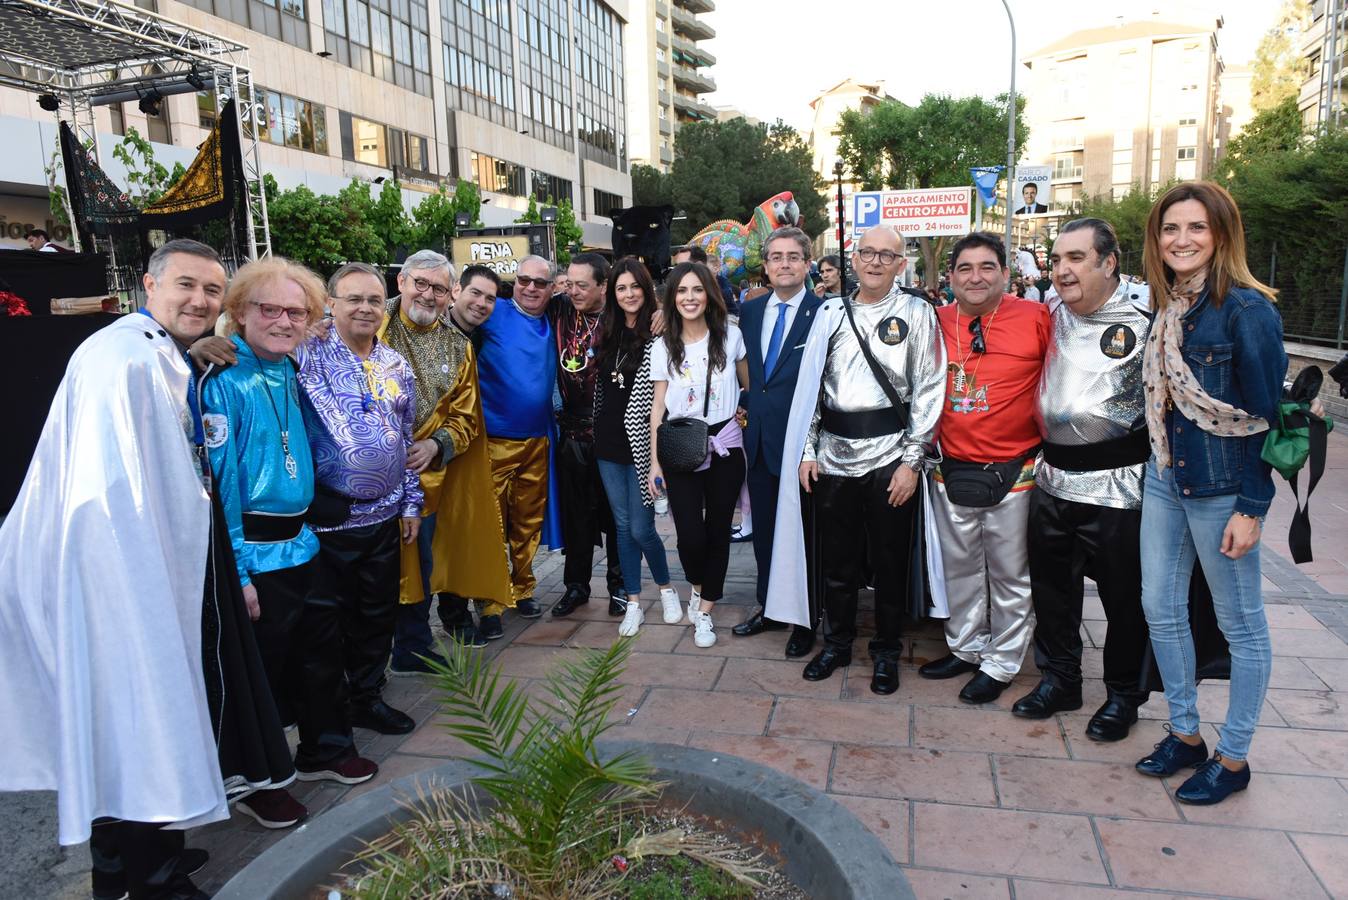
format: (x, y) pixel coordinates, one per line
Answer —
(697, 6)
(662, 39)
(692, 53)
(1066, 174)
(664, 98)
(663, 69)
(687, 24)
(689, 79)
(693, 107)
(662, 9)
(666, 156)
(666, 128)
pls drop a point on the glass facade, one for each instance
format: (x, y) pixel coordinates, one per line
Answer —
(497, 175)
(545, 62)
(551, 189)
(376, 144)
(479, 58)
(281, 19)
(284, 120)
(389, 39)
(599, 78)
(605, 203)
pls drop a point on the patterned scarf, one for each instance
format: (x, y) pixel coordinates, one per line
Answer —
(1169, 380)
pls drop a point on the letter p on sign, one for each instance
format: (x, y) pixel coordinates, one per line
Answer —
(866, 212)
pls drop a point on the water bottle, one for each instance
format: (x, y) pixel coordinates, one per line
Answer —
(661, 500)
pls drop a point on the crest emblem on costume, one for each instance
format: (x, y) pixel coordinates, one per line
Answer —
(892, 331)
(216, 427)
(1118, 341)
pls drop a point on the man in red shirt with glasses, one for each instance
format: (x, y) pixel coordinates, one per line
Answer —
(995, 345)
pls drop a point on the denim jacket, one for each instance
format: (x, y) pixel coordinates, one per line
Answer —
(1235, 351)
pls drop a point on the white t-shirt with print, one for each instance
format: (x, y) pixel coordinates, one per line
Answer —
(683, 397)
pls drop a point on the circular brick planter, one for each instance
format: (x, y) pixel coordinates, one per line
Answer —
(824, 849)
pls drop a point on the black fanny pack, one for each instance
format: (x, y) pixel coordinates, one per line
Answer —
(979, 484)
(263, 528)
(1129, 450)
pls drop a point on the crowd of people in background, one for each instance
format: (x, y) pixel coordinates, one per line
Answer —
(337, 463)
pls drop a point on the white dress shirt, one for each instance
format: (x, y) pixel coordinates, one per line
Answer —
(770, 319)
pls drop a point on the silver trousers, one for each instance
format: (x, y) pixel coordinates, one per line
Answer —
(987, 580)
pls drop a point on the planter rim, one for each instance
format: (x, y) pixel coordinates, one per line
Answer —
(825, 849)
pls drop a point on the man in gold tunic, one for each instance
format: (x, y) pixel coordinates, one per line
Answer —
(460, 550)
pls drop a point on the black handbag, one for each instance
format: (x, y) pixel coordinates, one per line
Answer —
(681, 444)
(979, 484)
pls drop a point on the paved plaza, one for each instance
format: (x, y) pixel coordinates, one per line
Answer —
(973, 802)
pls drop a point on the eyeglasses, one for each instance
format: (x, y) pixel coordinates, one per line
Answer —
(526, 281)
(422, 286)
(296, 314)
(976, 329)
(870, 254)
(785, 257)
(355, 300)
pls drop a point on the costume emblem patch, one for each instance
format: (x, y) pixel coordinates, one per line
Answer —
(892, 331)
(216, 427)
(1118, 341)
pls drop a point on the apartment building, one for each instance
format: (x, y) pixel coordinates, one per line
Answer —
(522, 97)
(1324, 51)
(667, 74)
(827, 109)
(1138, 102)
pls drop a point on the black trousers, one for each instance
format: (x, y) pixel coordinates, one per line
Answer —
(703, 506)
(842, 504)
(1068, 541)
(763, 500)
(137, 857)
(300, 639)
(585, 516)
(359, 570)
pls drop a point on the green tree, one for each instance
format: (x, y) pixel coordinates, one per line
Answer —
(566, 231)
(146, 179)
(722, 170)
(1277, 66)
(650, 186)
(931, 145)
(433, 219)
(1128, 214)
(390, 221)
(321, 230)
(1275, 130)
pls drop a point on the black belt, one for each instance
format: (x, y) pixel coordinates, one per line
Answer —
(858, 425)
(263, 528)
(1129, 450)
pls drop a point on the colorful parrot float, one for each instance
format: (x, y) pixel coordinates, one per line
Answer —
(740, 247)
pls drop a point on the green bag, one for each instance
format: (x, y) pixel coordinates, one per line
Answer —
(1298, 436)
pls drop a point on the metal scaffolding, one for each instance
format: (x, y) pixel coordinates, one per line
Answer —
(83, 51)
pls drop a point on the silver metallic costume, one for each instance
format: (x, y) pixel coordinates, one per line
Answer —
(902, 334)
(1091, 391)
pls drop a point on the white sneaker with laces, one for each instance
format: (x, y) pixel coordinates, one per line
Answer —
(632, 619)
(694, 604)
(671, 605)
(703, 636)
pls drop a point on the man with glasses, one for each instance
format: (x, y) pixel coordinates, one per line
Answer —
(981, 490)
(577, 328)
(774, 327)
(364, 393)
(517, 367)
(861, 431)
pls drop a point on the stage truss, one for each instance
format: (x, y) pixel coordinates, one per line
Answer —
(80, 50)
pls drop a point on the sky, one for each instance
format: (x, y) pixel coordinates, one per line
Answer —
(774, 56)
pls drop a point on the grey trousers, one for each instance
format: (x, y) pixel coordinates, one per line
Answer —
(987, 581)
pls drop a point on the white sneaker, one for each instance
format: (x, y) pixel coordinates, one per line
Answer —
(703, 636)
(671, 605)
(694, 605)
(632, 619)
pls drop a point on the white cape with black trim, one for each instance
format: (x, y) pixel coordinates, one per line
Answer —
(104, 556)
(788, 589)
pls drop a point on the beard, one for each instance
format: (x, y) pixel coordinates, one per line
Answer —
(421, 316)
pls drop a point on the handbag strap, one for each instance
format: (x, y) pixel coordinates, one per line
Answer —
(706, 391)
(900, 408)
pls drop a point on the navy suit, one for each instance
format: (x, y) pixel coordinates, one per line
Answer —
(767, 401)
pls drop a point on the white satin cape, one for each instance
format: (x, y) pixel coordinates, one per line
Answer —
(103, 559)
(788, 597)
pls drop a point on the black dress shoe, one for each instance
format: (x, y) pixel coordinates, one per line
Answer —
(756, 624)
(825, 663)
(1171, 755)
(948, 666)
(885, 679)
(1212, 783)
(982, 688)
(379, 716)
(528, 608)
(800, 643)
(490, 627)
(1112, 721)
(1046, 699)
(574, 597)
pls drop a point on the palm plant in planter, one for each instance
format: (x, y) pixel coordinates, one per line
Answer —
(557, 818)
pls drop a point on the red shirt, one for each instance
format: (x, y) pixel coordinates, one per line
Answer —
(989, 413)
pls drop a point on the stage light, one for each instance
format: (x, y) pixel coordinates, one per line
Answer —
(196, 80)
(48, 102)
(463, 220)
(548, 214)
(149, 102)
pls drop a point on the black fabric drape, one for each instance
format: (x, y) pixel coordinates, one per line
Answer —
(99, 206)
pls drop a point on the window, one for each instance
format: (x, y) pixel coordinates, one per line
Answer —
(1187, 153)
(157, 126)
(206, 112)
(550, 188)
(115, 111)
(605, 203)
(285, 20)
(388, 40)
(1188, 120)
(497, 175)
(291, 122)
(479, 59)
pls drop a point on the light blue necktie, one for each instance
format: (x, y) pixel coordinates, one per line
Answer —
(775, 342)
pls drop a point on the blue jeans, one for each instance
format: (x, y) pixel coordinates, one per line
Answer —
(635, 524)
(1174, 530)
(412, 625)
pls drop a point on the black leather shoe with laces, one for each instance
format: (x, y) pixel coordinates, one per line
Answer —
(575, 596)
(1171, 755)
(1212, 783)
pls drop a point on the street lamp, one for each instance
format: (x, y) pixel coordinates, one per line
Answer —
(842, 254)
(1010, 131)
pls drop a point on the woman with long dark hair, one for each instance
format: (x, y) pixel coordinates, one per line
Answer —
(699, 369)
(1213, 369)
(623, 396)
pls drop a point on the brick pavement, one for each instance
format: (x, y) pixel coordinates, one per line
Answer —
(972, 801)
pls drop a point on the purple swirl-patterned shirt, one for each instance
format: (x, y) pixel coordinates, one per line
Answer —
(368, 408)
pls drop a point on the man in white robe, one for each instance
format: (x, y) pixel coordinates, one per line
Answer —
(101, 677)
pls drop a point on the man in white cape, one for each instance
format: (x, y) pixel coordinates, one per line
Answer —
(862, 459)
(104, 554)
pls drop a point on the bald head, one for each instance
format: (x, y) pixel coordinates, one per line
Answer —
(877, 261)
